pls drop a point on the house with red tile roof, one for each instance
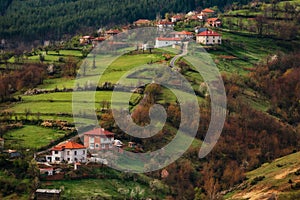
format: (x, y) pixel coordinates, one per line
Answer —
(166, 41)
(207, 10)
(182, 34)
(164, 24)
(86, 39)
(177, 18)
(112, 32)
(209, 38)
(69, 151)
(214, 22)
(142, 22)
(204, 14)
(98, 139)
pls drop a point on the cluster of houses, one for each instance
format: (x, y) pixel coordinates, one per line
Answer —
(202, 35)
(95, 140)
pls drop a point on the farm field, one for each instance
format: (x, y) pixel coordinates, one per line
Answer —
(61, 102)
(31, 136)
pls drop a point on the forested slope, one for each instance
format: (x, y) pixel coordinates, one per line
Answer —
(51, 19)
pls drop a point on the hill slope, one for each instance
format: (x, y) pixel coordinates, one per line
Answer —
(280, 179)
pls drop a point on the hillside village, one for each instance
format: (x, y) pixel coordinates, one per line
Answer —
(204, 34)
(62, 157)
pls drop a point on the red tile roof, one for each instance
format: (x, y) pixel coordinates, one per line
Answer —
(87, 37)
(168, 39)
(185, 33)
(68, 145)
(113, 32)
(212, 19)
(177, 16)
(99, 39)
(194, 17)
(99, 131)
(142, 21)
(165, 23)
(208, 33)
(207, 10)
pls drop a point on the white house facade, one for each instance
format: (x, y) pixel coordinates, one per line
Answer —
(164, 42)
(70, 152)
(209, 38)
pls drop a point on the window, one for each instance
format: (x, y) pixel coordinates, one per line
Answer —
(97, 145)
(102, 146)
(57, 159)
(110, 145)
(55, 152)
(75, 153)
(68, 159)
(92, 145)
(68, 153)
(83, 152)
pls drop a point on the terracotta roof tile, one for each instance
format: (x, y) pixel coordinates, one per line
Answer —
(208, 33)
(207, 10)
(68, 145)
(99, 131)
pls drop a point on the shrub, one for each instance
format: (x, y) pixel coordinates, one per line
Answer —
(257, 179)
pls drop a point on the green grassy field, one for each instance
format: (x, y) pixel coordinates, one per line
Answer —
(61, 102)
(31, 137)
(102, 188)
(276, 180)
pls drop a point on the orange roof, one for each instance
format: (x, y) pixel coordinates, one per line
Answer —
(208, 33)
(142, 21)
(165, 23)
(177, 16)
(99, 131)
(99, 39)
(168, 39)
(68, 145)
(212, 19)
(207, 10)
(87, 37)
(194, 17)
(1, 139)
(112, 31)
(185, 33)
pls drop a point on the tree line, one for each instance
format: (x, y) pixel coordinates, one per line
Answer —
(38, 20)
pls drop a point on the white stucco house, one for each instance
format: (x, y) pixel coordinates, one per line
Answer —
(164, 42)
(209, 38)
(70, 152)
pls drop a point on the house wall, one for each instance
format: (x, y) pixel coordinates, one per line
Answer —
(68, 155)
(75, 155)
(98, 142)
(159, 43)
(209, 39)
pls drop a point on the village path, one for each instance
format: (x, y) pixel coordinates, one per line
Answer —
(184, 52)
